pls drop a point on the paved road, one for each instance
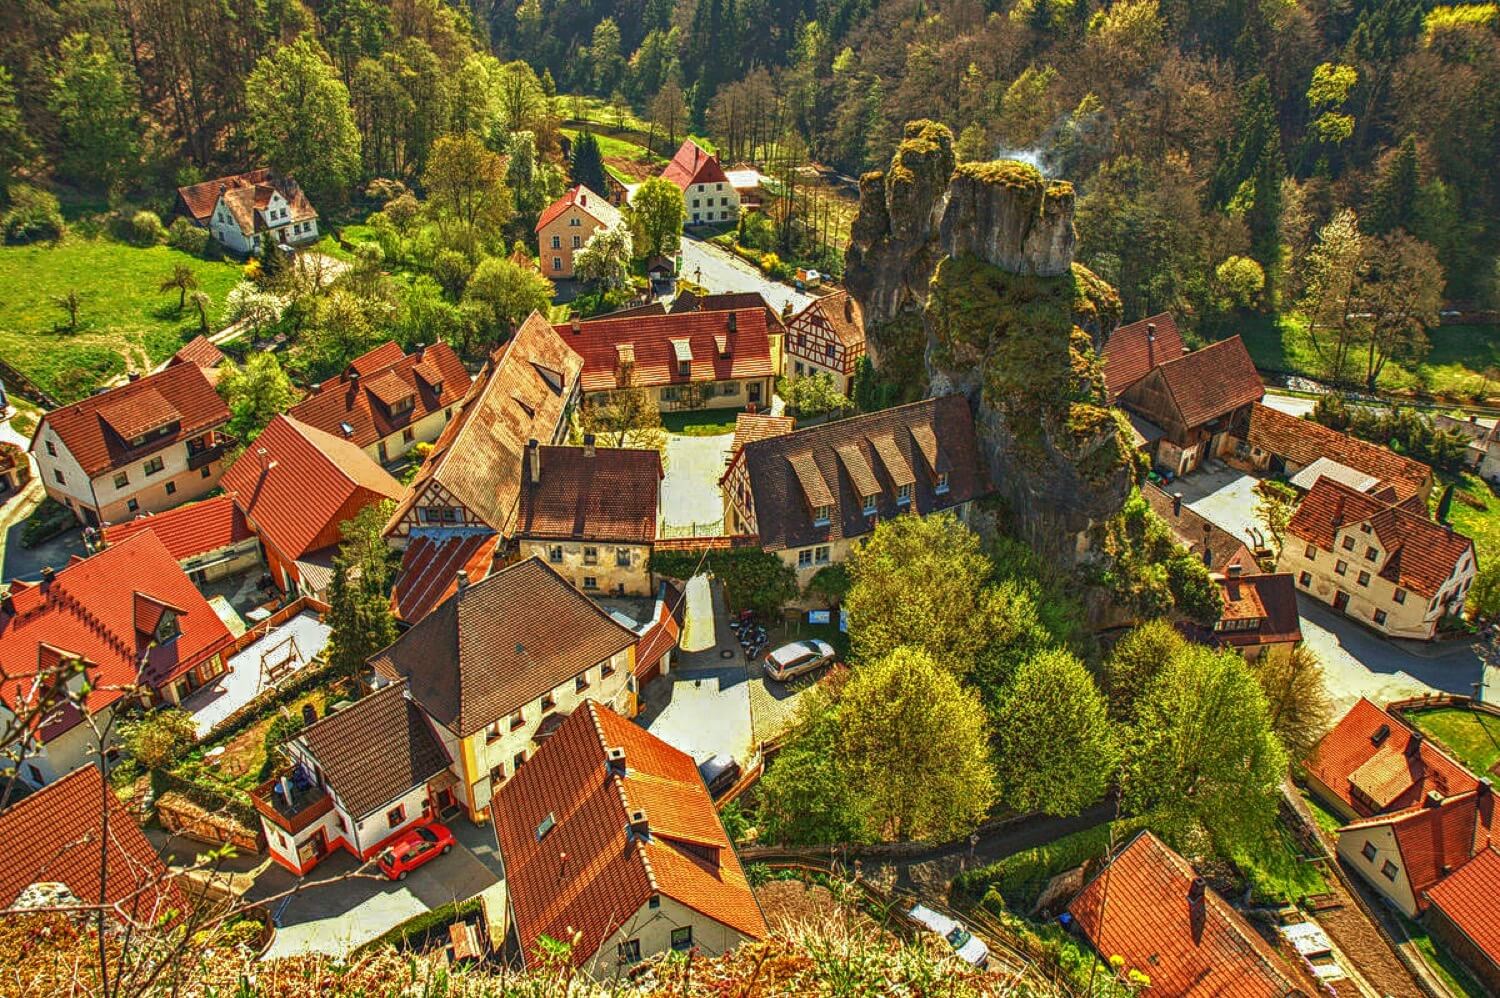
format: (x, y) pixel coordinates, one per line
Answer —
(720, 270)
(1293, 405)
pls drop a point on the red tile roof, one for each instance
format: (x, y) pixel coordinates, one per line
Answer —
(54, 836)
(653, 339)
(191, 530)
(1272, 598)
(94, 430)
(1128, 354)
(720, 301)
(361, 397)
(1303, 441)
(1210, 382)
(199, 351)
(1348, 757)
(430, 566)
(244, 194)
(1468, 898)
(593, 205)
(752, 426)
(1418, 554)
(609, 495)
(692, 165)
(659, 639)
(92, 610)
(1138, 908)
(1437, 837)
(297, 485)
(590, 873)
(839, 314)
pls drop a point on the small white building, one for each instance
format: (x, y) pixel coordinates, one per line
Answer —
(708, 196)
(238, 209)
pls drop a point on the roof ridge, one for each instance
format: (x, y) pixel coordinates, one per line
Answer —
(625, 807)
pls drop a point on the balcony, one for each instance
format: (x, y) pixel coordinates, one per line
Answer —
(199, 457)
(308, 802)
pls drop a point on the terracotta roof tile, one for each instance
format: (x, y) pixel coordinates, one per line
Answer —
(430, 566)
(609, 496)
(609, 873)
(433, 377)
(88, 610)
(53, 836)
(244, 194)
(1468, 899)
(1218, 548)
(1356, 739)
(199, 351)
(1212, 381)
(838, 314)
(1152, 925)
(782, 500)
(93, 430)
(499, 644)
(1128, 355)
(656, 341)
(303, 487)
(723, 301)
(1303, 441)
(750, 426)
(660, 638)
(692, 165)
(1276, 597)
(1435, 838)
(191, 530)
(593, 205)
(375, 750)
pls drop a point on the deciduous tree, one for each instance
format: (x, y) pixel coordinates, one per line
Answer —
(1300, 710)
(93, 99)
(506, 293)
(466, 192)
(255, 393)
(1275, 504)
(1133, 663)
(300, 120)
(605, 258)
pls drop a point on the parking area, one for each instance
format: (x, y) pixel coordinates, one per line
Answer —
(1224, 496)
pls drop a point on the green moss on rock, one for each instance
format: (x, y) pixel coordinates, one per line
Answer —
(1010, 173)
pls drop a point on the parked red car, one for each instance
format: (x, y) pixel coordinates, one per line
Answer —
(417, 846)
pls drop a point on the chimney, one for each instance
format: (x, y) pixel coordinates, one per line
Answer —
(583, 198)
(848, 309)
(353, 376)
(1196, 892)
(639, 827)
(577, 326)
(1485, 787)
(309, 714)
(8, 602)
(134, 376)
(1176, 503)
(534, 460)
(588, 445)
(1150, 346)
(1433, 799)
(1414, 745)
(733, 321)
(48, 574)
(614, 761)
(266, 464)
(463, 579)
(1236, 570)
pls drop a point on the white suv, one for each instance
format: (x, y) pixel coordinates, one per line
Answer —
(969, 947)
(797, 658)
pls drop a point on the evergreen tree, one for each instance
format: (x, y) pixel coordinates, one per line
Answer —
(1394, 200)
(93, 101)
(588, 163)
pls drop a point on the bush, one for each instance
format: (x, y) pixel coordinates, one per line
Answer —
(186, 236)
(160, 737)
(49, 519)
(145, 229)
(753, 579)
(34, 214)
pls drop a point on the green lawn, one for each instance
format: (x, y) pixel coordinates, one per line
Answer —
(1483, 525)
(1278, 872)
(1453, 369)
(1326, 819)
(1471, 736)
(700, 422)
(1441, 962)
(124, 323)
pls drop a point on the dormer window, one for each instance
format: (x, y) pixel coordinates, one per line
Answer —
(869, 505)
(942, 483)
(167, 628)
(822, 516)
(903, 495)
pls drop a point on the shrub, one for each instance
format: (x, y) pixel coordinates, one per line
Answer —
(160, 737)
(34, 214)
(753, 579)
(145, 229)
(186, 236)
(283, 726)
(49, 519)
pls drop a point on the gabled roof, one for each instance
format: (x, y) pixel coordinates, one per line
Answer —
(1419, 554)
(361, 398)
(1184, 947)
(593, 205)
(94, 430)
(1467, 898)
(592, 494)
(54, 836)
(723, 301)
(90, 611)
(1205, 384)
(1271, 598)
(297, 485)
(792, 474)
(1438, 836)
(662, 635)
(499, 644)
(1218, 548)
(837, 313)
(1304, 441)
(375, 750)
(659, 343)
(191, 530)
(430, 566)
(586, 870)
(752, 426)
(1373, 751)
(198, 351)
(692, 165)
(522, 394)
(245, 194)
(1130, 353)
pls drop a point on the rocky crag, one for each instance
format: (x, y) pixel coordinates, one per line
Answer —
(971, 268)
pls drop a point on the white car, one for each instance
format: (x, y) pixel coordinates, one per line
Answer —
(969, 947)
(798, 657)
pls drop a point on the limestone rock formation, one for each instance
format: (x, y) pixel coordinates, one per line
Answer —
(971, 267)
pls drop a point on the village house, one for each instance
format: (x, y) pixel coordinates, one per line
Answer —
(465, 500)
(591, 513)
(55, 836)
(499, 664)
(209, 539)
(1381, 564)
(1481, 443)
(296, 488)
(131, 616)
(239, 210)
(566, 225)
(708, 197)
(750, 426)
(1134, 350)
(610, 839)
(1461, 915)
(749, 183)
(386, 402)
(202, 353)
(1149, 908)
(827, 337)
(143, 447)
(1281, 444)
(691, 360)
(658, 636)
(812, 494)
(356, 779)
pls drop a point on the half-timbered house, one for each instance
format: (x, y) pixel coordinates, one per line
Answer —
(827, 337)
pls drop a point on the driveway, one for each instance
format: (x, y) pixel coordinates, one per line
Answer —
(337, 909)
(1225, 497)
(27, 563)
(690, 488)
(720, 270)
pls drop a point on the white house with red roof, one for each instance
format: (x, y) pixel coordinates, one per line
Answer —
(131, 616)
(708, 196)
(566, 225)
(210, 539)
(238, 209)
